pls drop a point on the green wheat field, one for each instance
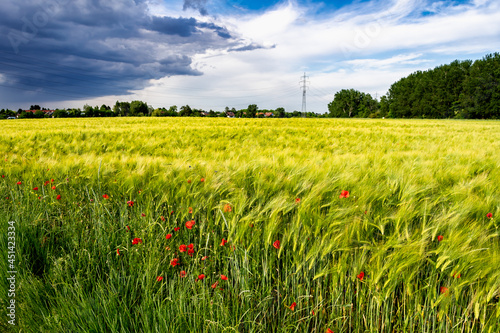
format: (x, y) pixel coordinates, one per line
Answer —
(249, 225)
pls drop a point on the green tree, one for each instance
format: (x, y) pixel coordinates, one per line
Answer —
(185, 111)
(480, 96)
(104, 111)
(159, 113)
(25, 115)
(122, 109)
(39, 114)
(429, 94)
(5, 113)
(172, 111)
(252, 111)
(74, 112)
(60, 113)
(279, 112)
(349, 103)
(88, 110)
(138, 108)
(384, 106)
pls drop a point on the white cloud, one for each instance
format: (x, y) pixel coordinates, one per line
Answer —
(366, 46)
(388, 63)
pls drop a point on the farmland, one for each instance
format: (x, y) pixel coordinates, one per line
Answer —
(250, 225)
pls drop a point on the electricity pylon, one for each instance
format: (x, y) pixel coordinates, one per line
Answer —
(303, 85)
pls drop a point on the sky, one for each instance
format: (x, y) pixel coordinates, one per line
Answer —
(210, 54)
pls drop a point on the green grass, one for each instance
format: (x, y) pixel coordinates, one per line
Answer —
(409, 181)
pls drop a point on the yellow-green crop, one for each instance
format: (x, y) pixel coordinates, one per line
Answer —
(413, 247)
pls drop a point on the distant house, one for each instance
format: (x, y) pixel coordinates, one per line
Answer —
(268, 114)
(204, 114)
(46, 112)
(230, 114)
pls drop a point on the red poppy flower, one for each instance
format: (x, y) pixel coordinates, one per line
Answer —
(162, 218)
(46, 183)
(190, 210)
(189, 181)
(19, 183)
(58, 197)
(276, 244)
(215, 285)
(52, 180)
(204, 258)
(105, 196)
(190, 224)
(3, 176)
(183, 248)
(35, 189)
(168, 236)
(117, 252)
(223, 277)
(53, 187)
(344, 194)
(174, 262)
(171, 212)
(201, 276)
(329, 330)
(228, 208)
(190, 252)
(128, 228)
(177, 228)
(159, 278)
(443, 290)
(489, 215)
(130, 203)
(312, 312)
(191, 246)
(202, 180)
(143, 215)
(292, 307)
(136, 241)
(440, 238)
(182, 274)
(456, 276)
(297, 200)
(223, 242)
(360, 276)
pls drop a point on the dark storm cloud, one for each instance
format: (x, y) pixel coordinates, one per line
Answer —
(62, 49)
(185, 27)
(198, 5)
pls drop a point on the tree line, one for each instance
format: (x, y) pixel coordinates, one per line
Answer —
(142, 109)
(460, 90)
